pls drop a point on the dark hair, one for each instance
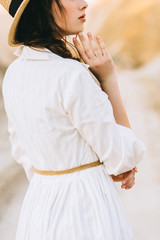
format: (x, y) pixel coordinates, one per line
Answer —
(37, 28)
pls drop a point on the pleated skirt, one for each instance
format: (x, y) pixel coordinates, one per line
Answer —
(84, 205)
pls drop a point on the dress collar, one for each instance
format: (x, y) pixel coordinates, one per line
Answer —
(31, 53)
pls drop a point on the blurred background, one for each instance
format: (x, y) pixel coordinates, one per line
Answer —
(131, 32)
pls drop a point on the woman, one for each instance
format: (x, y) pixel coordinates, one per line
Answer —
(68, 129)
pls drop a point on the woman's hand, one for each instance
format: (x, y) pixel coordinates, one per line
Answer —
(96, 56)
(127, 178)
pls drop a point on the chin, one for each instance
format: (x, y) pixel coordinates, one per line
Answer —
(77, 31)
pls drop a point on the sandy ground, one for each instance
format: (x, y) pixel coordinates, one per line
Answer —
(141, 203)
(10, 206)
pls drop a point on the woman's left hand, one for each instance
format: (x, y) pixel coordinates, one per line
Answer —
(127, 178)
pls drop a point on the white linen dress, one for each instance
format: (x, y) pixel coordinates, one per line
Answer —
(59, 118)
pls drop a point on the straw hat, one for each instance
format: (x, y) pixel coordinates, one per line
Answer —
(15, 8)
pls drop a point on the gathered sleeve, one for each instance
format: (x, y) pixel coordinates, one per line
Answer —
(19, 153)
(91, 113)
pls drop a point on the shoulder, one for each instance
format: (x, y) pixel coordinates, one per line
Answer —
(73, 66)
(68, 71)
(74, 71)
(60, 68)
(77, 77)
(12, 66)
(11, 71)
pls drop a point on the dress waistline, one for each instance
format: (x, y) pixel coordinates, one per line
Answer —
(70, 170)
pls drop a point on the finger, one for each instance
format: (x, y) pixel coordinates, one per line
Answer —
(95, 47)
(130, 176)
(133, 183)
(102, 46)
(80, 50)
(129, 183)
(88, 51)
(135, 169)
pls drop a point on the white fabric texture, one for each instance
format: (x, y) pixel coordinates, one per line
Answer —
(59, 118)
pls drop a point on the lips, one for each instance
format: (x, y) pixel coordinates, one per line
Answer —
(83, 16)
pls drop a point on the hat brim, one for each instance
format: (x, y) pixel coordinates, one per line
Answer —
(12, 31)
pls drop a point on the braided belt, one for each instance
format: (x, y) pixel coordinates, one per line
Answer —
(70, 170)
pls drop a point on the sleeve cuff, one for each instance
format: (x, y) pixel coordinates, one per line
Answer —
(132, 152)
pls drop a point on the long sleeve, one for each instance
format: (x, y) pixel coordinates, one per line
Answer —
(91, 112)
(19, 153)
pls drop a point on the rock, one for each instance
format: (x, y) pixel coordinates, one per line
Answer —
(130, 30)
(6, 52)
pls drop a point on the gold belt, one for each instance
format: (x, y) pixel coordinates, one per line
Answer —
(71, 170)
